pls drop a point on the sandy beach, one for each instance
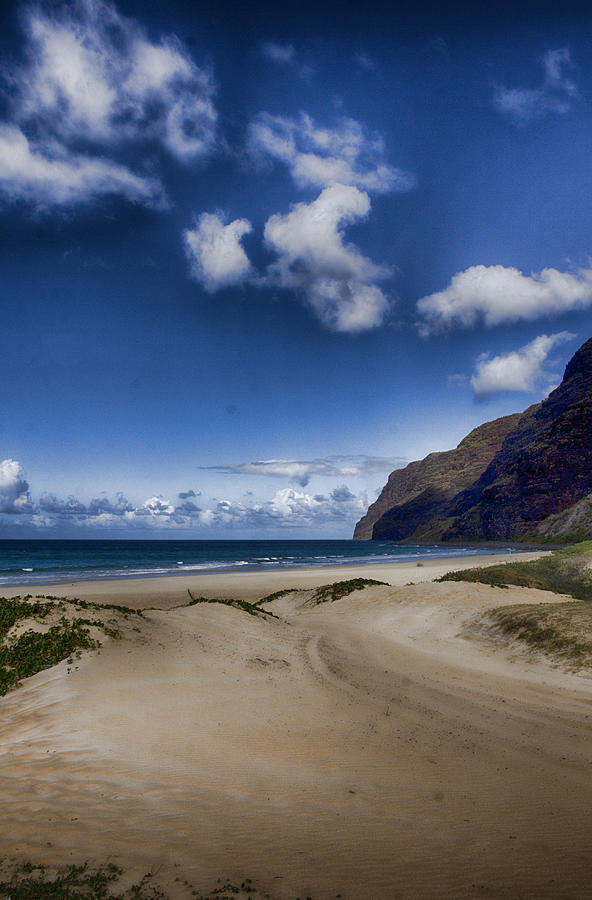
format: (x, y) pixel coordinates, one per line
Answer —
(386, 745)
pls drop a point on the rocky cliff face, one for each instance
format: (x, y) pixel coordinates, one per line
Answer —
(423, 488)
(540, 466)
(543, 467)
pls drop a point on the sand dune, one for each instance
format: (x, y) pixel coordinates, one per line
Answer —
(376, 747)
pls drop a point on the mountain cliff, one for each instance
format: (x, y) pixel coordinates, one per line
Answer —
(422, 488)
(530, 469)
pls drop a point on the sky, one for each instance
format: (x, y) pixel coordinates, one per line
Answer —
(254, 258)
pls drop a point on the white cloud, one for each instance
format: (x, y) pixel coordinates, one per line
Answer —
(288, 508)
(301, 471)
(335, 278)
(503, 294)
(318, 157)
(522, 370)
(92, 78)
(53, 177)
(214, 251)
(156, 506)
(94, 74)
(14, 490)
(554, 95)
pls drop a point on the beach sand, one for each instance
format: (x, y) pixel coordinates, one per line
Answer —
(382, 746)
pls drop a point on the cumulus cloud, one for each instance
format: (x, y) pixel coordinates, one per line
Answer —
(521, 370)
(73, 508)
(319, 157)
(14, 489)
(301, 471)
(92, 77)
(335, 279)
(185, 495)
(187, 508)
(499, 294)
(214, 251)
(54, 177)
(101, 506)
(554, 95)
(288, 508)
(93, 73)
(342, 494)
(49, 503)
(156, 506)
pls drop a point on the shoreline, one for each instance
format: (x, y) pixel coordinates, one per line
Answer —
(172, 589)
(391, 738)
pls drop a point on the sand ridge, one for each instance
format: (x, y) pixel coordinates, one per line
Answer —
(376, 747)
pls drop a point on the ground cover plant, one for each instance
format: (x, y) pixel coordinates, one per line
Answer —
(25, 653)
(564, 572)
(276, 595)
(337, 590)
(251, 608)
(80, 882)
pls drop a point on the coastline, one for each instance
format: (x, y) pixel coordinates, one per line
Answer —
(165, 591)
(391, 743)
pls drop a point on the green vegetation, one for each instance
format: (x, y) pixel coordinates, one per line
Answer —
(25, 654)
(276, 594)
(87, 604)
(582, 548)
(564, 630)
(14, 609)
(251, 608)
(564, 572)
(33, 651)
(337, 590)
(29, 882)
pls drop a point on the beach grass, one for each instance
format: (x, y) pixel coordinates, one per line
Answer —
(564, 572)
(563, 631)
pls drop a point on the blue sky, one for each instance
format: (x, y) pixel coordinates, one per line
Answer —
(254, 260)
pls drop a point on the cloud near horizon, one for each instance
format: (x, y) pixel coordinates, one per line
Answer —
(301, 471)
(555, 95)
(287, 508)
(521, 370)
(498, 294)
(14, 489)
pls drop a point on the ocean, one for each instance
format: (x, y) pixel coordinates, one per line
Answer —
(56, 562)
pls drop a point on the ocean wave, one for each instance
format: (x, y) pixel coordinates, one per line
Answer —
(57, 565)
